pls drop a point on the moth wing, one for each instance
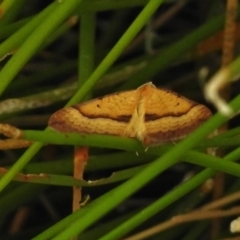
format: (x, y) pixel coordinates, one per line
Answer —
(170, 116)
(107, 115)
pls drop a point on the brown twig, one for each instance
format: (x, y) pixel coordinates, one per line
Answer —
(222, 202)
(15, 136)
(227, 56)
(193, 216)
(80, 161)
(229, 32)
(200, 214)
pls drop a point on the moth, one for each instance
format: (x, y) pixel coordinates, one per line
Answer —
(152, 115)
